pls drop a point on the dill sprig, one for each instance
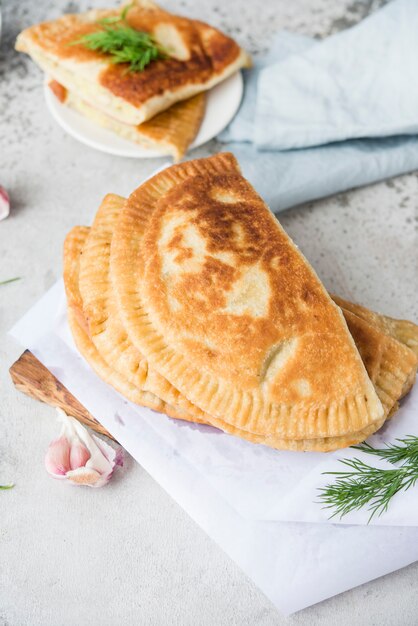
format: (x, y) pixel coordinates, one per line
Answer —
(394, 453)
(123, 43)
(364, 485)
(10, 280)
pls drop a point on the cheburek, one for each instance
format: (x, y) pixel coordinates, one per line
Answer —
(199, 57)
(96, 311)
(112, 342)
(220, 301)
(97, 315)
(73, 246)
(170, 132)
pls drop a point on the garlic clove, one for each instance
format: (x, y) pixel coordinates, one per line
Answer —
(57, 459)
(79, 455)
(4, 203)
(98, 458)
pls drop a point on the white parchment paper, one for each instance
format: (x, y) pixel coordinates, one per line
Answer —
(254, 502)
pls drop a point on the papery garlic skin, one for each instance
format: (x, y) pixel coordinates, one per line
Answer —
(79, 457)
(4, 203)
(84, 476)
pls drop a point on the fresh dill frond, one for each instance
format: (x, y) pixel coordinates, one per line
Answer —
(10, 280)
(363, 485)
(125, 11)
(123, 43)
(112, 19)
(394, 453)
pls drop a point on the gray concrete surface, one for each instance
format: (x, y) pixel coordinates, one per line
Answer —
(128, 554)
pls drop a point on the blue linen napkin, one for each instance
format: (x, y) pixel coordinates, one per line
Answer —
(284, 45)
(359, 83)
(291, 177)
(286, 179)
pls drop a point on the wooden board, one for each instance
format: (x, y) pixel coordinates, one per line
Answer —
(35, 380)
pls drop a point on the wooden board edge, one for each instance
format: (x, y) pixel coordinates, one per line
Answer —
(35, 380)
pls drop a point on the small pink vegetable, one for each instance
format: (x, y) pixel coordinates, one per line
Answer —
(4, 203)
(79, 457)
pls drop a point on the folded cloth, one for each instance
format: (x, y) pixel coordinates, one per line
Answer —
(284, 45)
(285, 179)
(358, 83)
(291, 177)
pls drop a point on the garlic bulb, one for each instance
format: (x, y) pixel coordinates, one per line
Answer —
(79, 457)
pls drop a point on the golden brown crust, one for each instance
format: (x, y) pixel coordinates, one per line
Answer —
(95, 295)
(215, 344)
(403, 330)
(107, 333)
(73, 246)
(75, 241)
(177, 127)
(59, 91)
(170, 132)
(56, 37)
(390, 364)
(207, 49)
(200, 57)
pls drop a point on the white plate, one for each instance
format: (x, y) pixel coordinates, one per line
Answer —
(222, 104)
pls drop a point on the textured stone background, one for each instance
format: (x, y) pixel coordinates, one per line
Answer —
(128, 554)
